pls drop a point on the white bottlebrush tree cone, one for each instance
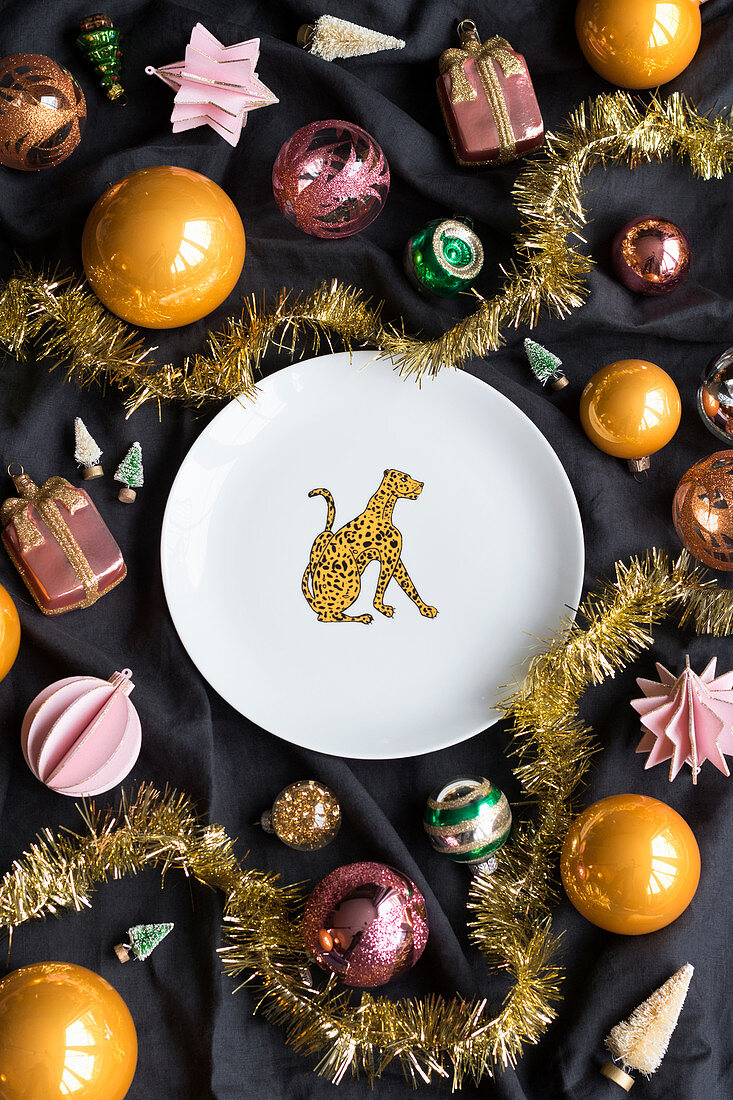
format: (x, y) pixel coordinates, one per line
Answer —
(641, 1042)
(87, 451)
(331, 38)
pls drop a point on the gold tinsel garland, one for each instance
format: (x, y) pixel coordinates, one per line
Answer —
(66, 322)
(510, 909)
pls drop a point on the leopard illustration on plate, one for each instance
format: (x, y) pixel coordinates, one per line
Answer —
(332, 578)
(458, 558)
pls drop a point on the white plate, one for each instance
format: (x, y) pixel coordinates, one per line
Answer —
(494, 542)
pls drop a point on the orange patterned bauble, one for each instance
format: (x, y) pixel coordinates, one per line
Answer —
(630, 864)
(9, 633)
(630, 409)
(702, 510)
(42, 112)
(163, 247)
(64, 1032)
(638, 43)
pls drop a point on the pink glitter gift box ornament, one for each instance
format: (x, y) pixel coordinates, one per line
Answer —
(59, 544)
(215, 85)
(81, 736)
(331, 179)
(687, 719)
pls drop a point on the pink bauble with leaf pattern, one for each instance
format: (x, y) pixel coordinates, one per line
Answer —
(331, 179)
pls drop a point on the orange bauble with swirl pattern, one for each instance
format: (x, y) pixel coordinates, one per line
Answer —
(702, 510)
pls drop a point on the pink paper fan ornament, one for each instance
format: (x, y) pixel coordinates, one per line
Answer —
(215, 85)
(81, 736)
(687, 719)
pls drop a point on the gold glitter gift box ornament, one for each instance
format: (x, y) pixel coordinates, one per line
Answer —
(305, 816)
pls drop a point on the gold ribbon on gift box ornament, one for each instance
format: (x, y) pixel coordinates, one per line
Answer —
(497, 50)
(46, 499)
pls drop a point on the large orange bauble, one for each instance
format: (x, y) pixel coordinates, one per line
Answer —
(630, 409)
(9, 633)
(64, 1032)
(163, 247)
(638, 43)
(630, 864)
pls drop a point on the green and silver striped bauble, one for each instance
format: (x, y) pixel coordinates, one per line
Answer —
(468, 819)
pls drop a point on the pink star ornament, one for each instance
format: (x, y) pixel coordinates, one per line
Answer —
(687, 719)
(215, 85)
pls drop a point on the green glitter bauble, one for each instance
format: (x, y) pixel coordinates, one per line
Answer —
(468, 819)
(444, 257)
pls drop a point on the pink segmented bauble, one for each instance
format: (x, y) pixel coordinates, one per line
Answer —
(331, 179)
(81, 736)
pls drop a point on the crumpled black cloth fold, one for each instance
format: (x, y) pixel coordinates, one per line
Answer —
(197, 1041)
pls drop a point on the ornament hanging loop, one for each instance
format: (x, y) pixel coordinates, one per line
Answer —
(468, 31)
(20, 472)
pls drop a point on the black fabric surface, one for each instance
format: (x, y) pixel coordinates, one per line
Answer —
(197, 1041)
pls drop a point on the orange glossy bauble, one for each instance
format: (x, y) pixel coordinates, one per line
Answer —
(630, 864)
(638, 43)
(630, 409)
(64, 1032)
(163, 247)
(9, 633)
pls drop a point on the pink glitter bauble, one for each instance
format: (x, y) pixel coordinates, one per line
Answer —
(367, 923)
(331, 179)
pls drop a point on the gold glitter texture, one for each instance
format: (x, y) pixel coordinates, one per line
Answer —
(66, 322)
(42, 112)
(451, 1038)
(306, 815)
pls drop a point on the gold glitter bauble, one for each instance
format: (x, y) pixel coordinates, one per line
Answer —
(306, 815)
(42, 112)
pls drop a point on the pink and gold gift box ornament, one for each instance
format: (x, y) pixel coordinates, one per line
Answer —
(215, 85)
(59, 544)
(488, 101)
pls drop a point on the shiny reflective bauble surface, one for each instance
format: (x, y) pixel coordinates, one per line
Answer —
(702, 510)
(715, 397)
(9, 633)
(630, 409)
(638, 43)
(366, 923)
(64, 1033)
(163, 247)
(630, 864)
(651, 255)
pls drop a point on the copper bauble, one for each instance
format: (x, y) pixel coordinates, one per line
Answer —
(42, 112)
(651, 255)
(630, 409)
(638, 43)
(715, 397)
(630, 864)
(702, 510)
(366, 923)
(64, 1032)
(163, 247)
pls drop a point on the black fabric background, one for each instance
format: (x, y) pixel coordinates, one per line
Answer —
(197, 1041)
